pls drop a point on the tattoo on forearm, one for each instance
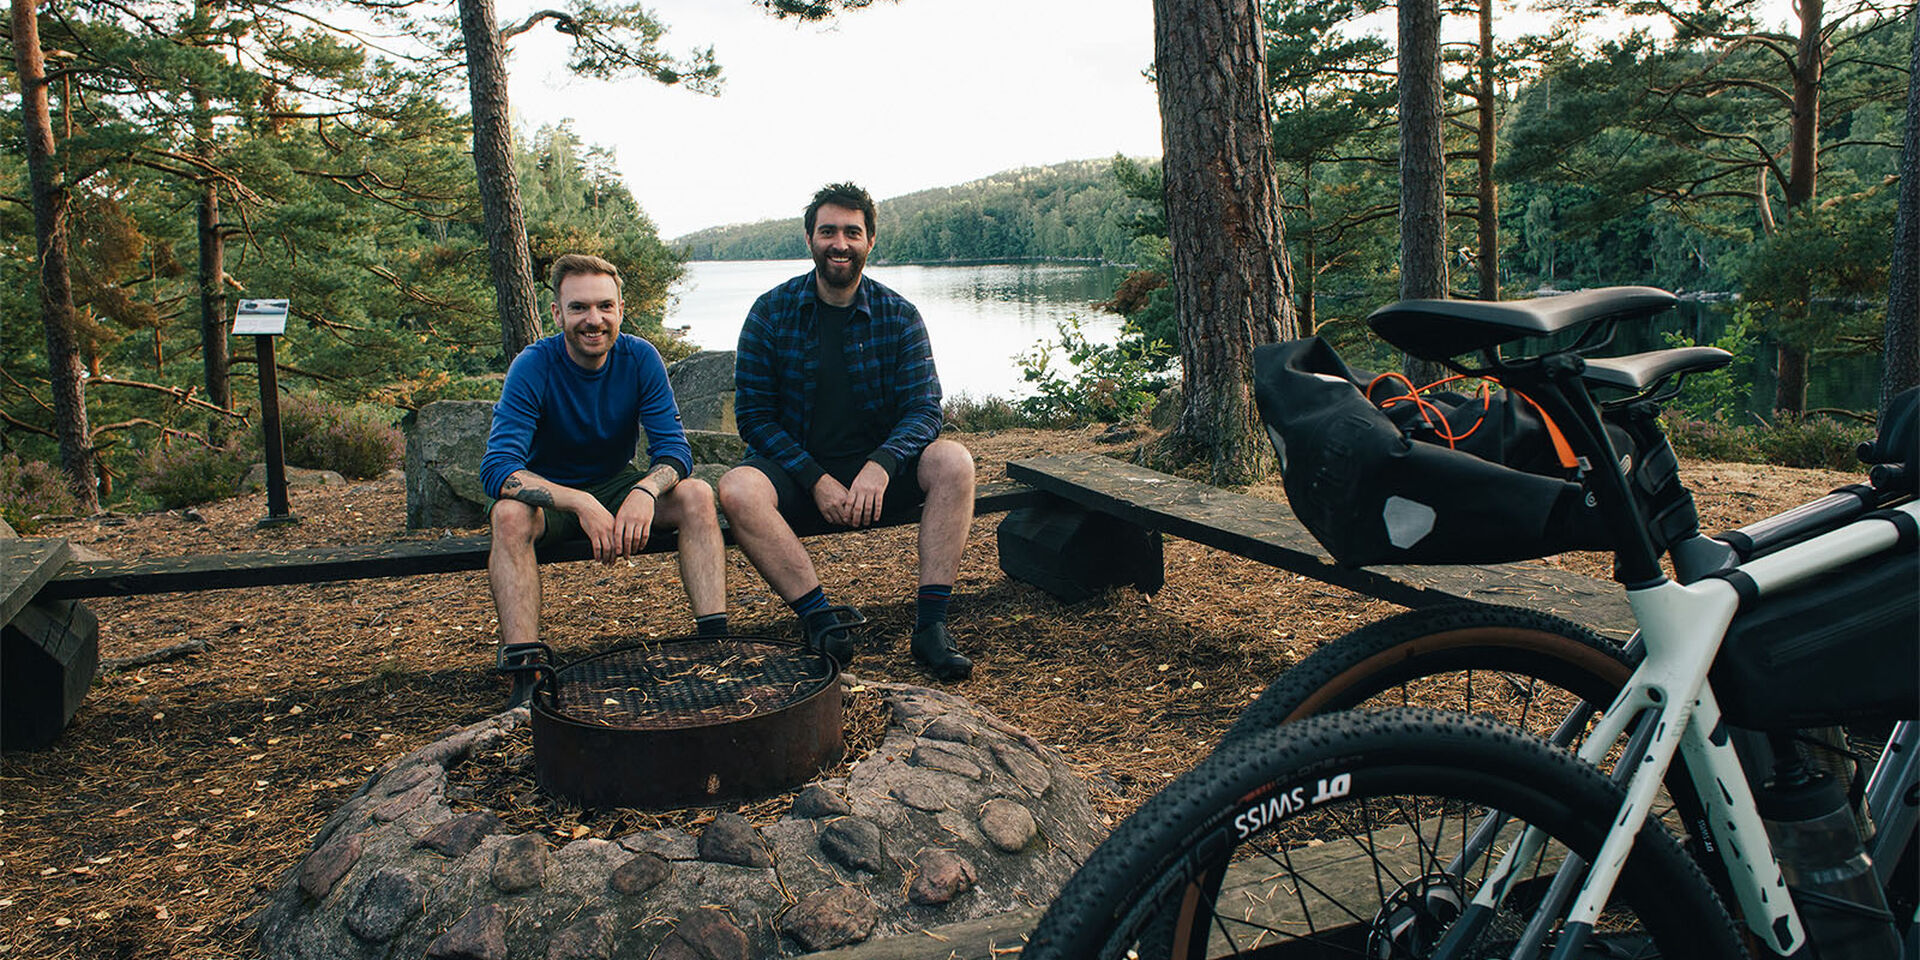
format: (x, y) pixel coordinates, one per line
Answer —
(667, 479)
(513, 489)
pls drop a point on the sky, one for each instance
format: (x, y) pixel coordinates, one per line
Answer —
(897, 97)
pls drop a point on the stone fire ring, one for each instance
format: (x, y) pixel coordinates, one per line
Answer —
(956, 816)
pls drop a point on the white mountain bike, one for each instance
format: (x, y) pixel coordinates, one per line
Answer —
(1409, 832)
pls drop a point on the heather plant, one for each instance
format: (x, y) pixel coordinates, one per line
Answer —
(1790, 442)
(184, 474)
(977, 415)
(351, 440)
(29, 489)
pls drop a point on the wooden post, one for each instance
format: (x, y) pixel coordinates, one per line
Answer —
(278, 511)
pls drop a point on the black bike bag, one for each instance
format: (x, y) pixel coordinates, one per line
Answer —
(1381, 486)
(1843, 648)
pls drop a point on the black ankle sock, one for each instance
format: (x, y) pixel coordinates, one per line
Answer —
(932, 604)
(808, 602)
(711, 625)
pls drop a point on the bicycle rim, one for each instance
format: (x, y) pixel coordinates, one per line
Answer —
(1342, 836)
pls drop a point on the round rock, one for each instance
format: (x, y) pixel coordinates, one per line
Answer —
(831, 918)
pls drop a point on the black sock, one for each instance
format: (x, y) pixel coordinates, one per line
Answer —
(711, 625)
(808, 602)
(932, 605)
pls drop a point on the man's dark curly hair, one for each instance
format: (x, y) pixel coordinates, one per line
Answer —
(841, 195)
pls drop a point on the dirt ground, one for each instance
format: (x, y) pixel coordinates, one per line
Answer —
(186, 788)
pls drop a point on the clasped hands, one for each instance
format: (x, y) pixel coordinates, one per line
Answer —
(615, 535)
(854, 506)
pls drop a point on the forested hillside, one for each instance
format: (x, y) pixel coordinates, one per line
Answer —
(1067, 211)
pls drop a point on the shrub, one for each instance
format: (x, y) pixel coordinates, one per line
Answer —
(31, 488)
(183, 474)
(1107, 382)
(968, 415)
(1791, 442)
(353, 441)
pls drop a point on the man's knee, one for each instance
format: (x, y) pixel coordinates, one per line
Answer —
(691, 502)
(746, 490)
(512, 520)
(946, 464)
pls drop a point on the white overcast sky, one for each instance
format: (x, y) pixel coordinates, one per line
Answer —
(897, 97)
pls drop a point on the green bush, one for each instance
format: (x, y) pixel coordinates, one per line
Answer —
(1809, 442)
(353, 441)
(1106, 382)
(31, 488)
(183, 474)
(969, 415)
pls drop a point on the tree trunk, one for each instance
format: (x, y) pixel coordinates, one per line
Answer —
(1232, 283)
(505, 222)
(1489, 200)
(213, 300)
(1423, 166)
(1900, 367)
(1790, 390)
(50, 226)
(1309, 322)
(213, 248)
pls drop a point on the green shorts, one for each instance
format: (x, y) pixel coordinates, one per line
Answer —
(562, 525)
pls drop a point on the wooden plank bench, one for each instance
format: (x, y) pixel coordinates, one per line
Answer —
(1267, 531)
(113, 578)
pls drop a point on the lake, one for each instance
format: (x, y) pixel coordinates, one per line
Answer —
(979, 317)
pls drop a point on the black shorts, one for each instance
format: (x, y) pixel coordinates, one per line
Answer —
(903, 489)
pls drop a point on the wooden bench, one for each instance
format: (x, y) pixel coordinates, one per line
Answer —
(113, 578)
(1267, 531)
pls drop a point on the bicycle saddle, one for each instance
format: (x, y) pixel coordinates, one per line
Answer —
(1439, 329)
(1638, 371)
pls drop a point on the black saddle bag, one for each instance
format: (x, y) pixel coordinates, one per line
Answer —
(1381, 486)
(1843, 648)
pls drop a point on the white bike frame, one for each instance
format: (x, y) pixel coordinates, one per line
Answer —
(1682, 627)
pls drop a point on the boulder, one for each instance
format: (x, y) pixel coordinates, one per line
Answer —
(703, 387)
(445, 441)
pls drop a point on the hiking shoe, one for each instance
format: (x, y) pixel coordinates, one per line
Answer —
(933, 647)
(517, 663)
(834, 631)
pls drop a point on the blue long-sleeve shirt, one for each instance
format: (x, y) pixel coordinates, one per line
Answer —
(579, 427)
(890, 374)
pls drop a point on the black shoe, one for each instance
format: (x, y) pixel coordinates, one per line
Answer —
(834, 631)
(519, 663)
(521, 693)
(934, 648)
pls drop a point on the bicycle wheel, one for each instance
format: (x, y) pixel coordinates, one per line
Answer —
(1527, 669)
(1522, 667)
(1348, 835)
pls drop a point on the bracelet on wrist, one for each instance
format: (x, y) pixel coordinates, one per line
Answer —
(650, 494)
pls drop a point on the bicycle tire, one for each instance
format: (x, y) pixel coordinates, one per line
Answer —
(1158, 877)
(1522, 667)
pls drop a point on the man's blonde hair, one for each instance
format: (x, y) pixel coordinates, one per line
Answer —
(582, 264)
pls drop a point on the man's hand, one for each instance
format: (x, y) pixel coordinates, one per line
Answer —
(634, 523)
(598, 525)
(865, 497)
(832, 499)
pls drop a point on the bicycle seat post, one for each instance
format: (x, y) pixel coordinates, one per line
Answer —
(1554, 383)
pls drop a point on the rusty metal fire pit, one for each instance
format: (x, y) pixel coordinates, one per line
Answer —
(683, 722)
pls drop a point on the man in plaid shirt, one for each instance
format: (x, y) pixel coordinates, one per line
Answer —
(836, 395)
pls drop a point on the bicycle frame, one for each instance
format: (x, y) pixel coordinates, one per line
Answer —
(1682, 627)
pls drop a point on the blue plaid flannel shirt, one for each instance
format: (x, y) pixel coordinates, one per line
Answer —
(890, 374)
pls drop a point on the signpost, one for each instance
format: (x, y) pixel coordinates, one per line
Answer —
(263, 320)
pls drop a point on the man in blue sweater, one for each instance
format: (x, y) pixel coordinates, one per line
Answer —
(559, 459)
(836, 396)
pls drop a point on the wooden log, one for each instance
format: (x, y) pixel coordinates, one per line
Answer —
(1267, 532)
(367, 561)
(49, 652)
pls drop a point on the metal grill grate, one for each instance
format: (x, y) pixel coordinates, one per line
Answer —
(687, 683)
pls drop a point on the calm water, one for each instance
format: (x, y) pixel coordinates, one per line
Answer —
(978, 317)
